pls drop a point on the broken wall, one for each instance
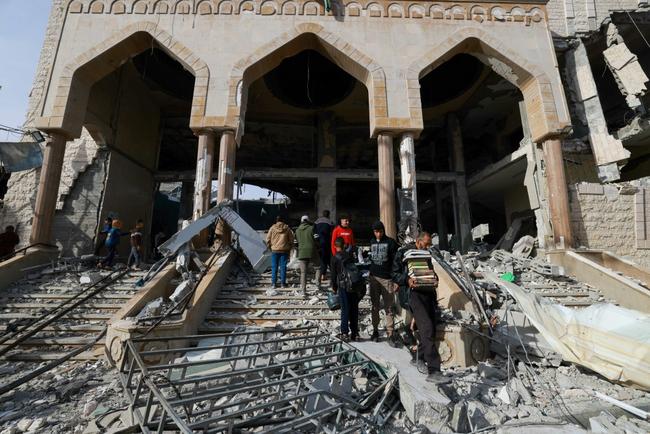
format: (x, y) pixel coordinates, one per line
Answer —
(75, 224)
(129, 187)
(612, 217)
(567, 17)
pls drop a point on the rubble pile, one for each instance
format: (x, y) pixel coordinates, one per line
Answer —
(68, 399)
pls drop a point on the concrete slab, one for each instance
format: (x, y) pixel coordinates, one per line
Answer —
(423, 402)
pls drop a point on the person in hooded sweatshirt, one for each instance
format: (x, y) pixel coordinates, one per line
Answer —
(280, 241)
(382, 254)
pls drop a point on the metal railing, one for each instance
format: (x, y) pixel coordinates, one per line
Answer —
(24, 250)
(269, 380)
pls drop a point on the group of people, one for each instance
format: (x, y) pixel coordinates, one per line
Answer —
(109, 237)
(389, 278)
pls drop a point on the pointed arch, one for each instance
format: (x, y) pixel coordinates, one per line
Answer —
(302, 37)
(77, 78)
(547, 111)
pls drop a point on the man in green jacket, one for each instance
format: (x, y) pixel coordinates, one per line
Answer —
(306, 250)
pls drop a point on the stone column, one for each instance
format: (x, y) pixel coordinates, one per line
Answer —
(558, 196)
(409, 183)
(386, 174)
(462, 198)
(203, 180)
(407, 167)
(187, 200)
(48, 190)
(226, 177)
(326, 195)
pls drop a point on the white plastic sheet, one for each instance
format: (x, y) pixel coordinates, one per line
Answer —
(610, 340)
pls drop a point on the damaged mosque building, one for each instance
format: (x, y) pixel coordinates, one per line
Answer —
(516, 132)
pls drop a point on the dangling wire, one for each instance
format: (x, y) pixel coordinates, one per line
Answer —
(308, 76)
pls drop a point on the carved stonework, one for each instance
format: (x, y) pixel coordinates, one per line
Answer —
(526, 12)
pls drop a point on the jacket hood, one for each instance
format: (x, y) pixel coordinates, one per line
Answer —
(282, 227)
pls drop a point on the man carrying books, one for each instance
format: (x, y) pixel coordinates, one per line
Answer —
(413, 272)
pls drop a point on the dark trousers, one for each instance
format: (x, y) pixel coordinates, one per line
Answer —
(108, 260)
(99, 245)
(423, 307)
(325, 257)
(349, 312)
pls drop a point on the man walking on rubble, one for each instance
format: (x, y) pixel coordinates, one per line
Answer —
(306, 249)
(347, 288)
(136, 245)
(344, 231)
(101, 236)
(323, 228)
(280, 241)
(382, 254)
(112, 241)
(413, 273)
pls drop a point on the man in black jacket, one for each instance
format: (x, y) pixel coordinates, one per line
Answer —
(323, 228)
(422, 305)
(347, 296)
(382, 253)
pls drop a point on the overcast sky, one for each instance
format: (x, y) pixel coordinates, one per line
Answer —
(22, 30)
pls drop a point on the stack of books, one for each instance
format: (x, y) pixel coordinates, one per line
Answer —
(420, 268)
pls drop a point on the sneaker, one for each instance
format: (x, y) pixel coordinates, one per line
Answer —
(394, 342)
(344, 337)
(354, 338)
(420, 365)
(284, 285)
(437, 377)
(274, 286)
(375, 336)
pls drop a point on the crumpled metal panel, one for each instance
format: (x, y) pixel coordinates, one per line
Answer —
(20, 156)
(610, 340)
(250, 241)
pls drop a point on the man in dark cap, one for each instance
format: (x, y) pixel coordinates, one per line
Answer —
(382, 254)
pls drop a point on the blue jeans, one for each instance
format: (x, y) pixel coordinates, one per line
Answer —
(349, 312)
(279, 258)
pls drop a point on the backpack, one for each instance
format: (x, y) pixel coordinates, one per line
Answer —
(351, 279)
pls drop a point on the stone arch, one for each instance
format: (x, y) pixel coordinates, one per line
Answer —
(205, 8)
(307, 36)
(140, 7)
(289, 8)
(542, 106)
(225, 7)
(161, 7)
(395, 10)
(183, 7)
(81, 73)
(311, 8)
(75, 7)
(96, 7)
(416, 11)
(118, 7)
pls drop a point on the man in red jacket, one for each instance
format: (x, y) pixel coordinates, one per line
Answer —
(344, 231)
